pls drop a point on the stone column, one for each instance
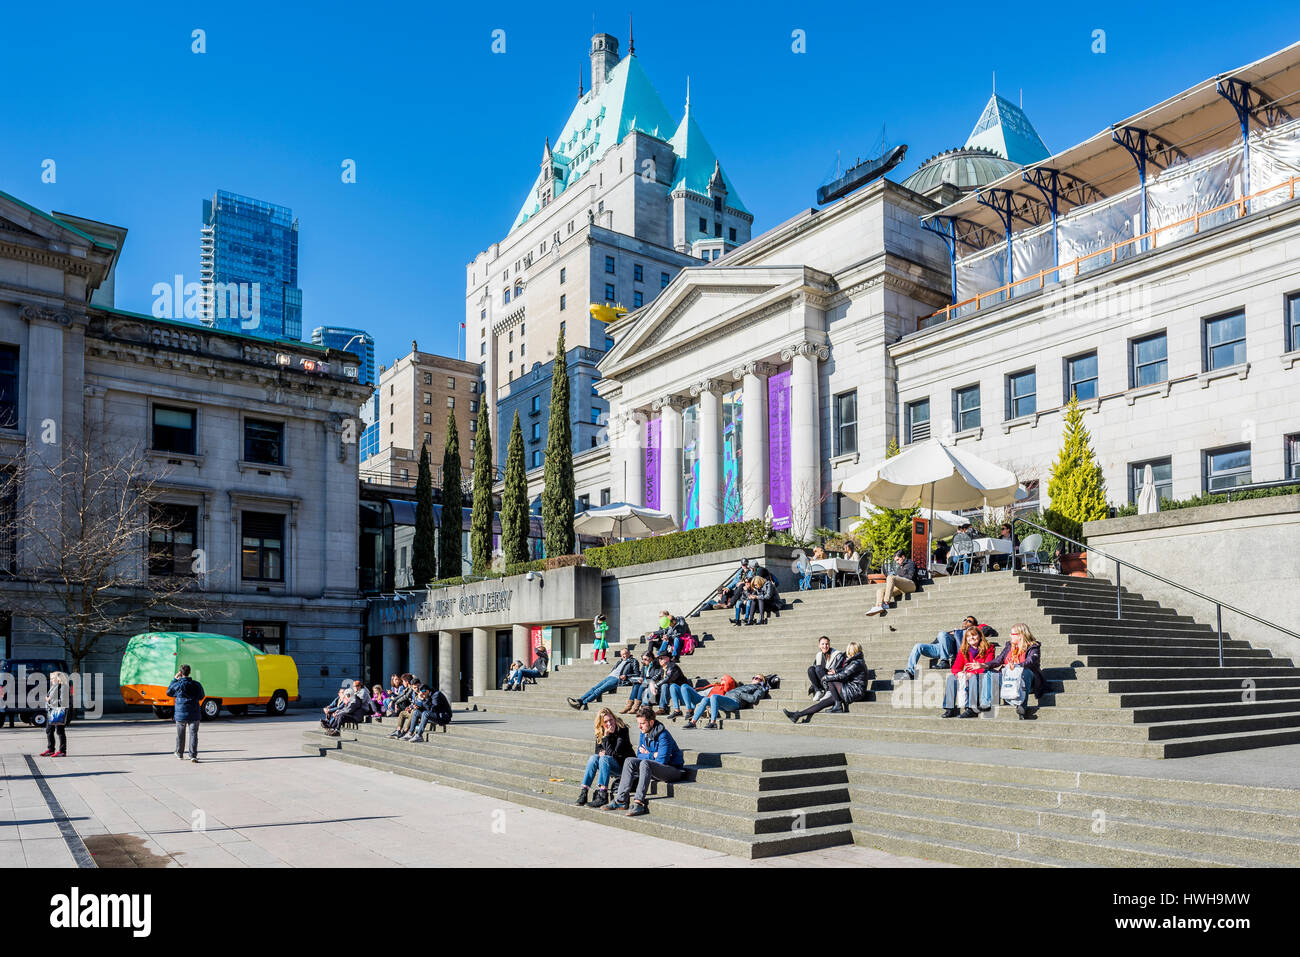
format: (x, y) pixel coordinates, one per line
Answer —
(484, 656)
(419, 656)
(392, 658)
(754, 446)
(670, 455)
(447, 675)
(710, 451)
(634, 457)
(519, 644)
(805, 428)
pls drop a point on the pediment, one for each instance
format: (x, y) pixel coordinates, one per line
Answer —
(9, 226)
(37, 227)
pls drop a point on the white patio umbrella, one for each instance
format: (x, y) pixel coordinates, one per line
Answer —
(1148, 501)
(931, 472)
(621, 520)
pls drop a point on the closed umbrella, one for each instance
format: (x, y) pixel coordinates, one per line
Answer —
(621, 520)
(1148, 500)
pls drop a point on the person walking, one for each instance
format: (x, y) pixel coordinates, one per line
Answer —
(188, 694)
(58, 705)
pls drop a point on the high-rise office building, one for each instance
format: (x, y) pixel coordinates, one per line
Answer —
(249, 267)
(359, 343)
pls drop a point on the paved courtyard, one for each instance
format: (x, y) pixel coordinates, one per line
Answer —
(257, 800)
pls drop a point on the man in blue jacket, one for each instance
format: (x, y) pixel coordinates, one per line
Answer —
(657, 758)
(189, 710)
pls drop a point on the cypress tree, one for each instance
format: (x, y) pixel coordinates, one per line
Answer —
(1077, 488)
(514, 500)
(480, 541)
(449, 532)
(557, 482)
(423, 563)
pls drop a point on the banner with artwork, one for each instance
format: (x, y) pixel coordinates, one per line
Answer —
(651, 463)
(732, 425)
(778, 446)
(691, 467)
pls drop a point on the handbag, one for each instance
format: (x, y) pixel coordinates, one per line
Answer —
(58, 716)
(1012, 690)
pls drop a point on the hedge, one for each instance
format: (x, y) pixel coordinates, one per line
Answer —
(1216, 498)
(695, 541)
(522, 568)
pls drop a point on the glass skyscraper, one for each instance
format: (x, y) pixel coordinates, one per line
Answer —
(360, 343)
(249, 267)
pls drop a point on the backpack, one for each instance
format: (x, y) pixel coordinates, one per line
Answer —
(688, 644)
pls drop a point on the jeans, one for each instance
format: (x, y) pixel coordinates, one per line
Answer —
(683, 696)
(987, 683)
(193, 727)
(606, 684)
(805, 580)
(421, 720)
(740, 608)
(600, 768)
(944, 646)
(50, 730)
(714, 704)
(817, 677)
(1027, 686)
(643, 770)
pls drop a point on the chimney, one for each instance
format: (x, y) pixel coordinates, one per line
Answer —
(604, 57)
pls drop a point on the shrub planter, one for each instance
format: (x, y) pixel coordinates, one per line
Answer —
(1074, 563)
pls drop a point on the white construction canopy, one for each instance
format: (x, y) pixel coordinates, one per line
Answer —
(621, 520)
(1148, 501)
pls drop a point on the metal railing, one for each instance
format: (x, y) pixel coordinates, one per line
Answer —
(709, 597)
(1119, 594)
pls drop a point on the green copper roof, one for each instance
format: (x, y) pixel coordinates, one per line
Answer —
(58, 222)
(696, 161)
(1004, 129)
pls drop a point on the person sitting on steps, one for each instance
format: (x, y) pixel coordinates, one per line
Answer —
(817, 670)
(613, 747)
(761, 600)
(657, 758)
(1020, 662)
(624, 668)
(517, 680)
(970, 678)
(404, 717)
(676, 690)
(943, 648)
(645, 686)
(899, 583)
(845, 683)
(742, 696)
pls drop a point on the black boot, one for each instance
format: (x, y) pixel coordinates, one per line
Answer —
(792, 715)
(582, 798)
(950, 713)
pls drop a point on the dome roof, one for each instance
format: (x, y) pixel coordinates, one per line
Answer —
(966, 168)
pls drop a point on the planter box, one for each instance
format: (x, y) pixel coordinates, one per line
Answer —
(1074, 563)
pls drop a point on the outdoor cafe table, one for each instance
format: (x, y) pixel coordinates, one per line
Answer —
(988, 547)
(831, 566)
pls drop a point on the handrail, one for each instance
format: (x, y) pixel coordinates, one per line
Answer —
(694, 611)
(1119, 598)
(1242, 202)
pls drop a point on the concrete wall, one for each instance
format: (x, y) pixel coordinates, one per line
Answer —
(1239, 552)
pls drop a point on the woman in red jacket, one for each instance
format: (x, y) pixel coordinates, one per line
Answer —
(968, 668)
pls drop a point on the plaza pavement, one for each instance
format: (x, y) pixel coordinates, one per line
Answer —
(257, 800)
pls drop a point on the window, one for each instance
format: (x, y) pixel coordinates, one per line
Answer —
(172, 533)
(563, 322)
(473, 388)
(262, 549)
(563, 274)
(594, 442)
(482, 346)
(428, 378)
(609, 292)
(1022, 397)
(510, 337)
(473, 425)
(8, 387)
(537, 405)
(263, 442)
(523, 327)
(717, 204)
(537, 458)
(731, 233)
(428, 398)
(451, 402)
(966, 407)
(511, 356)
(1225, 341)
(1081, 377)
(451, 382)
(505, 296)
(1292, 322)
(604, 496)
(717, 230)
(1227, 468)
(428, 438)
(704, 225)
(563, 301)
(917, 421)
(473, 405)
(537, 432)
(609, 343)
(1149, 360)
(609, 264)
(266, 635)
(406, 475)
(173, 430)
(523, 347)
(584, 502)
(428, 418)
(637, 300)
(846, 423)
(663, 280)
(637, 273)
(471, 448)
(595, 416)
(1292, 456)
(1162, 471)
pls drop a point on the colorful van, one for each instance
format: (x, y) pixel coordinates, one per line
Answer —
(234, 674)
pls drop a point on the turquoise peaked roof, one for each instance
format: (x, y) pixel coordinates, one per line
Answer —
(696, 161)
(626, 101)
(1004, 129)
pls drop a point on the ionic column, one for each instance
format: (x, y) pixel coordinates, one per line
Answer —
(754, 450)
(710, 490)
(670, 456)
(633, 442)
(805, 459)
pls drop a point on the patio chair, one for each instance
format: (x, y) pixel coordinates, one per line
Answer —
(1030, 554)
(864, 566)
(961, 556)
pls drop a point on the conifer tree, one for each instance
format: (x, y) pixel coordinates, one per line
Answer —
(450, 531)
(1077, 488)
(557, 480)
(514, 500)
(424, 566)
(480, 542)
(886, 531)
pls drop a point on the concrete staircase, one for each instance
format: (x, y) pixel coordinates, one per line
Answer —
(959, 812)
(1144, 685)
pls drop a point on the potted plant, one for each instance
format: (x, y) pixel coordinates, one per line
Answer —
(1077, 491)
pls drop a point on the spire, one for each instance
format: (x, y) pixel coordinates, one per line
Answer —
(579, 82)
(688, 93)
(631, 43)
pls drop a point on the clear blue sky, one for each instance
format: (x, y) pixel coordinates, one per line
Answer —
(447, 135)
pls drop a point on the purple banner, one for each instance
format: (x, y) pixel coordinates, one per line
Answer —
(651, 464)
(778, 448)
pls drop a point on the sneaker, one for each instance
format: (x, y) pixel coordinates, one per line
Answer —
(616, 805)
(599, 799)
(950, 713)
(574, 703)
(394, 734)
(180, 756)
(46, 753)
(943, 663)
(969, 713)
(194, 760)
(712, 726)
(875, 610)
(638, 809)
(689, 725)
(58, 754)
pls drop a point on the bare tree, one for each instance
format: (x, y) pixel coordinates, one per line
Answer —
(85, 522)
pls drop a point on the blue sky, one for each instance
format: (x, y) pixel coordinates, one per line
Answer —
(446, 134)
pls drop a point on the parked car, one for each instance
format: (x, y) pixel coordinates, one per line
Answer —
(235, 675)
(30, 711)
